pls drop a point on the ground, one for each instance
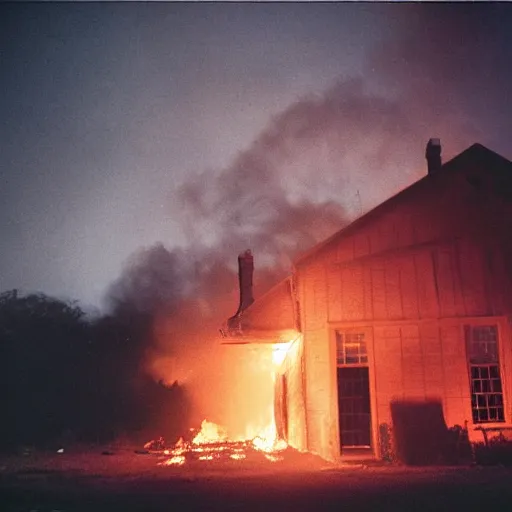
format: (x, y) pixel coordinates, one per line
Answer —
(122, 480)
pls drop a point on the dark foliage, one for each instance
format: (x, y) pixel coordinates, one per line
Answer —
(65, 379)
(387, 449)
(40, 341)
(497, 451)
(420, 437)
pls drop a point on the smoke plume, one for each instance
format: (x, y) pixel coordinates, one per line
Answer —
(302, 179)
(323, 161)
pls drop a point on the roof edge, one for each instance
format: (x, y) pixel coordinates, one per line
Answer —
(385, 204)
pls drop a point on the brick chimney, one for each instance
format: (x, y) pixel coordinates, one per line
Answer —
(245, 272)
(433, 155)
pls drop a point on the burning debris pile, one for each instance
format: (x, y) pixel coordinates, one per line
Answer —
(212, 443)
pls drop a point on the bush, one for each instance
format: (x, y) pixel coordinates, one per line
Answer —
(454, 447)
(498, 451)
(387, 448)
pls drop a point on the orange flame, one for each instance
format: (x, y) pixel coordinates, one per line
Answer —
(213, 440)
(210, 433)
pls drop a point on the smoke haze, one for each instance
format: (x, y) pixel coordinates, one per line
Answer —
(216, 129)
(318, 164)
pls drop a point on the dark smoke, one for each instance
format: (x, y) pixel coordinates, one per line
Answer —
(187, 296)
(269, 200)
(448, 64)
(151, 281)
(323, 161)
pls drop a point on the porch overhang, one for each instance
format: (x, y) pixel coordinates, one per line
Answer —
(272, 318)
(253, 336)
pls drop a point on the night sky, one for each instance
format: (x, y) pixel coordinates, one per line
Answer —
(221, 125)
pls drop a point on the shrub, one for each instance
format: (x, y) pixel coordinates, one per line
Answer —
(387, 448)
(498, 451)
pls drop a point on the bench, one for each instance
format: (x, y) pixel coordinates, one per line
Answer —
(486, 430)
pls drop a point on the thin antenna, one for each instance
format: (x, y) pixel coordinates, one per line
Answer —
(360, 203)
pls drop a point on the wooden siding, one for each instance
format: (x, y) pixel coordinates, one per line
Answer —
(421, 288)
(450, 279)
(292, 369)
(441, 207)
(318, 392)
(414, 274)
(422, 362)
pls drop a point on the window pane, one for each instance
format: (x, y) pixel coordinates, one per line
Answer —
(496, 385)
(486, 394)
(482, 344)
(350, 348)
(484, 370)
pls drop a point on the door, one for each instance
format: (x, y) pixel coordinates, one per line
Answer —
(354, 407)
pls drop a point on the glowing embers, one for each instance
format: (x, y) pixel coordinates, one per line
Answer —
(272, 457)
(176, 460)
(211, 444)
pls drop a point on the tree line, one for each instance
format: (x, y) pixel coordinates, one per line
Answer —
(66, 378)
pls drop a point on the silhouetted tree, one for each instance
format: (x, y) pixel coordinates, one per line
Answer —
(42, 341)
(64, 376)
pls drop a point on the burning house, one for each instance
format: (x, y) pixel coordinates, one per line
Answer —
(400, 318)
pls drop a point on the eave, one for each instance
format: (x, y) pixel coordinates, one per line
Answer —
(252, 336)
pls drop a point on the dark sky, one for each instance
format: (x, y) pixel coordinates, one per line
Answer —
(125, 124)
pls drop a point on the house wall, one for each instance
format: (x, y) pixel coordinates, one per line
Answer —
(414, 275)
(427, 362)
(292, 369)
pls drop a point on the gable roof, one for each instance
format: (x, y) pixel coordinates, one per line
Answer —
(471, 159)
(250, 330)
(271, 318)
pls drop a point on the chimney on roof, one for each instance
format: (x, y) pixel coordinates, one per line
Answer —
(245, 272)
(433, 155)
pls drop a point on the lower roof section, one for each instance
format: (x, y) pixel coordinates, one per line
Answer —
(272, 318)
(259, 336)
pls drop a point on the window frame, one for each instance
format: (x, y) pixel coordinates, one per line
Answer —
(468, 330)
(351, 331)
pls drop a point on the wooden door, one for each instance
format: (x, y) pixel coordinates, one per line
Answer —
(354, 406)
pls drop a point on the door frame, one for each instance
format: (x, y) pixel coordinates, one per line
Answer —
(369, 337)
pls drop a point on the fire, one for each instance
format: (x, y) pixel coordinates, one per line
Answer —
(267, 440)
(279, 351)
(213, 442)
(176, 460)
(210, 433)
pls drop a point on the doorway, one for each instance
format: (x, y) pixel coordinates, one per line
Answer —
(354, 407)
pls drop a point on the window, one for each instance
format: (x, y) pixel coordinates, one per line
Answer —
(486, 390)
(350, 348)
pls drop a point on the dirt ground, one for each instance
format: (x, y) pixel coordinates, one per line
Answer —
(124, 480)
